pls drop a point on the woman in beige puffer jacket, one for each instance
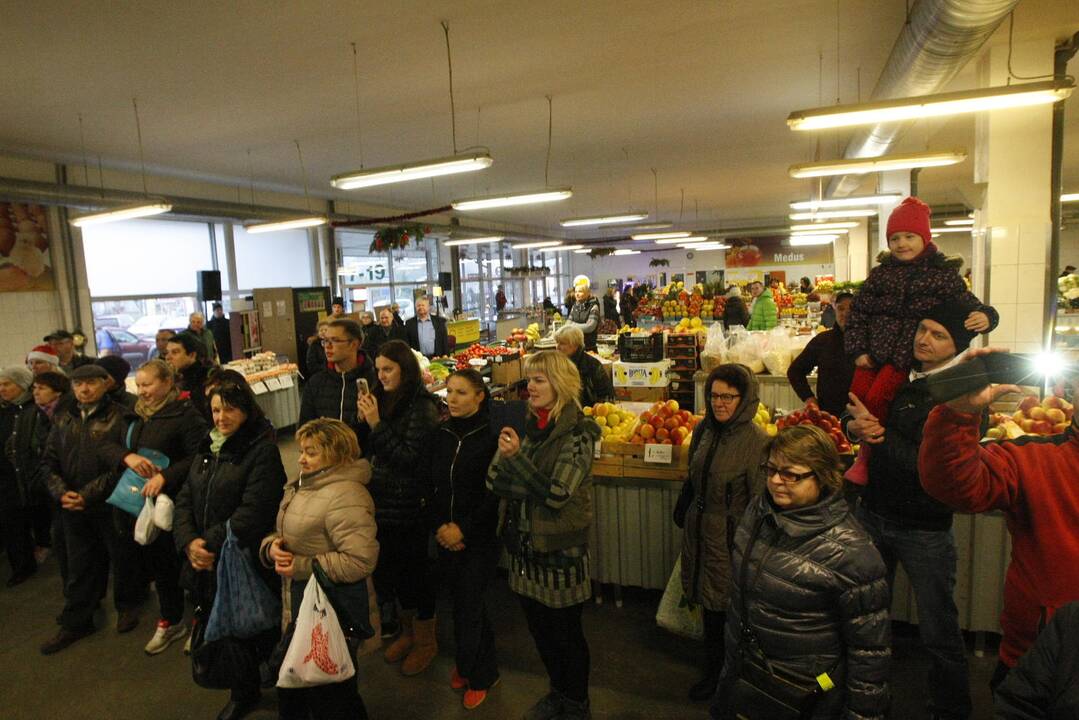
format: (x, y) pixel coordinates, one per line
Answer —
(327, 515)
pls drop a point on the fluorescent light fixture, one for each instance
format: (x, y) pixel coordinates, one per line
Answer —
(508, 200)
(627, 251)
(709, 246)
(660, 235)
(626, 217)
(811, 240)
(861, 166)
(853, 201)
(472, 241)
(833, 214)
(824, 226)
(960, 221)
(537, 244)
(294, 224)
(565, 248)
(682, 240)
(582, 252)
(938, 230)
(1069, 197)
(823, 233)
(654, 226)
(122, 213)
(926, 106)
(388, 174)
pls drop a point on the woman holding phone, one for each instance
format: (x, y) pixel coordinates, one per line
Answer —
(545, 480)
(402, 415)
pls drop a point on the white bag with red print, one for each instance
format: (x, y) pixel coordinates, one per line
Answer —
(318, 653)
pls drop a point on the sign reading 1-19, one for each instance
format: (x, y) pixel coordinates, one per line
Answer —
(376, 272)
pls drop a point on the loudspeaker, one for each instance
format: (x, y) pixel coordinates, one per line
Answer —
(445, 280)
(209, 282)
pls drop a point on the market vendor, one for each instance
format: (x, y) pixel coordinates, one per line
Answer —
(835, 369)
(585, 311)
(595, 384)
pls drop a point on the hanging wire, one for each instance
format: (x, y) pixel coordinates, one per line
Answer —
(449, 64)
(837, 51)
(682, 206)
(655, 190)
(1012, 75)
(303, 172)
(550, 135)
(251, 177)
(629, 182)
(82, 144)
(356, 89)
(138, 132)
(100, 177)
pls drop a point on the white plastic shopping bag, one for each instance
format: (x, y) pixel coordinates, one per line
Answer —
(145, 530)
(318, 653)
(163, 509)
(677, 614)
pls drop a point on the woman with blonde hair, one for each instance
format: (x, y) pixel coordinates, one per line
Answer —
(545, 481)
(809, 597)
(326, 517)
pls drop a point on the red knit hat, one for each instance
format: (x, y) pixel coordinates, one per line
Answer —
(912, 215)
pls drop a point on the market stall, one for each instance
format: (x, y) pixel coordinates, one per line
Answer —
(275, 385)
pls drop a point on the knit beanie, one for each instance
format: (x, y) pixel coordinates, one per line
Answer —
(912, 215)
(952, 315)
(116, 367)
(44, 352)
(21, 376)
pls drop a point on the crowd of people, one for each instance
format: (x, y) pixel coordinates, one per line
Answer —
(400, 494)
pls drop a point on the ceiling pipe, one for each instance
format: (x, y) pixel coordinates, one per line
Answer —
(938, 39)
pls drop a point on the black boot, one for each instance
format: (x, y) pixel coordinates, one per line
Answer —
(391, 622)
(705, 688)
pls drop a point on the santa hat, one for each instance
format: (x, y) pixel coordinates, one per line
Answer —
(44, 353)
(911, 215)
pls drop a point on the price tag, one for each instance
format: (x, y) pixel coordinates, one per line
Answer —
(285, 380)
(597, 453)
(655, 453)
(272, 383)
(259, 388)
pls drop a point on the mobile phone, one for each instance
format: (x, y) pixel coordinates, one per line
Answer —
(362, 387)
(512, 414)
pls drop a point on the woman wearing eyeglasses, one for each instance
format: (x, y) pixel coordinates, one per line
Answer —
(724, 474)
(809, 599)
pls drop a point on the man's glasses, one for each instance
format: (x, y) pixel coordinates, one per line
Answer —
(788, 477)
(725, 398)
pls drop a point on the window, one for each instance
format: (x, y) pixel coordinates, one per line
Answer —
(127, 327)
(145, 257)
(276, 259)
(381, 278)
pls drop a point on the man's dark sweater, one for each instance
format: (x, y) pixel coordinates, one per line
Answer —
(835, 370)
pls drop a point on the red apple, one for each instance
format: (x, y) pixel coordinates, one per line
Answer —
(1027, 426)
(1027, 403)
(1059, 428)
(1043, 427)
(1037, 413)
(1055, 415)
(1019, 416)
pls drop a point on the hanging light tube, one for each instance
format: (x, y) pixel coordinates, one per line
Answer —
(536, 245)
(660, 235)
(122, 213)
(1069, 197)
(818, 233)
(824, 226)
(496, 201)
(707, 246)
(627, 251)
(811, 240)
(626, 217)
(927, 106)
(853, 201)
(582, 251)
(833, 214)
(293, 224)
(388, 174)
(471, 241)
(960, 221)
(861, 166)
(682, 240)
(938, 230)
(567, 248)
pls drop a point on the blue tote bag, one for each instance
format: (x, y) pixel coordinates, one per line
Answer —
(243, 606)
(127, 495)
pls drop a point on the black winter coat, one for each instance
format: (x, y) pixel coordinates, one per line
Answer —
(243, 484)
(86, 455)
(735, 312)
(817, 601)
(377, 336)
(331, 394)
(192, 380)
(315, 360)
(24, 451)
(1044, 685)
(894, 490)
(460, 451)
(596, 386)
(177, 430)
(610, 308)
(397, 484)
(11, 494)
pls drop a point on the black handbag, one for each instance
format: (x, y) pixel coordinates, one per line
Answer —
(757, 691)
(222, 664)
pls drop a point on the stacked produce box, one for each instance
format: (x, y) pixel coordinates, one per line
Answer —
(684, 353)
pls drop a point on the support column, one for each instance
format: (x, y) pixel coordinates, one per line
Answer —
(1013, 154)
(897, 181)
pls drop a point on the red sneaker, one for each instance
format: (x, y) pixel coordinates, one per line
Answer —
(474, 698)
(457, 682)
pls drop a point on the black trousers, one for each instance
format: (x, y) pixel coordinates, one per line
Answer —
(17, 524)
(467, 574)
(714, 645)
(91, 541)
(404, 571)
(159, 558)
(338, 701)
(562, 646)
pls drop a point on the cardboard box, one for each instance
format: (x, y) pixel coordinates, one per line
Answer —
(640, 394)
(507, 372)
(640, 374)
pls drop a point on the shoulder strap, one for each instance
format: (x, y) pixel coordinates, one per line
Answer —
(130, 431)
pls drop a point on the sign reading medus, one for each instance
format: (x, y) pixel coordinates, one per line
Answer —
(773, 251)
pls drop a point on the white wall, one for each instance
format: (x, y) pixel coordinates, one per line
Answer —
(26, 317)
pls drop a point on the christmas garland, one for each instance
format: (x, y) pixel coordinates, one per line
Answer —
(529, 270)
(397, 237)
(659, 262)
(601, 252)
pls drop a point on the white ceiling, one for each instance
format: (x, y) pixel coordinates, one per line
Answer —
(697, 89)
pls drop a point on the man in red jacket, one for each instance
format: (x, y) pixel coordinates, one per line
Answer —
(1034, 480)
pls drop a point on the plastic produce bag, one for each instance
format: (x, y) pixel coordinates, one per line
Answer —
(244, 605)
(318, 653)
(742, 348)
(677, 614)
(163, 510)
(777, 356)
(145, 529)
(715, 349)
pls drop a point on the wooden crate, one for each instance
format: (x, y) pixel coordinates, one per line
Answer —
(640, 394)
(634, 465)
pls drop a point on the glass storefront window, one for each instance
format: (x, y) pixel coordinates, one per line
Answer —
(276, 259)
(145, 257)
(127, 327)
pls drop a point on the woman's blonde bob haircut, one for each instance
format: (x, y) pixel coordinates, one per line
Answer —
(570, 334)
(810, 446)
(336, 440)
(161, 369)
(562, 374)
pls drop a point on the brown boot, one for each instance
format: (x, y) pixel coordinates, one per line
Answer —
(400, 647)
(423, 650)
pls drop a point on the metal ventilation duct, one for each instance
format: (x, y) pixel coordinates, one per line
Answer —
(940, 37)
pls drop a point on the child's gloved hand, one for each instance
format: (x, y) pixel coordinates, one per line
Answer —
(866, 362)
(977, 321)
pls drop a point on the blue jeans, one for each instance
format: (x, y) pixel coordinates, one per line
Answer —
(929, 559)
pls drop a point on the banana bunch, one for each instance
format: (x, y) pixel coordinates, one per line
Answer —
(533, 332)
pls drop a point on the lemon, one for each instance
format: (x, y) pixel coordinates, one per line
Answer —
(601, 421)
(588, 411)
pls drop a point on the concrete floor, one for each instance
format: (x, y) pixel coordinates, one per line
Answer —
(638, 670)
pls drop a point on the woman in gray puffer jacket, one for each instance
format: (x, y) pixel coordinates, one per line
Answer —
(809, 596)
